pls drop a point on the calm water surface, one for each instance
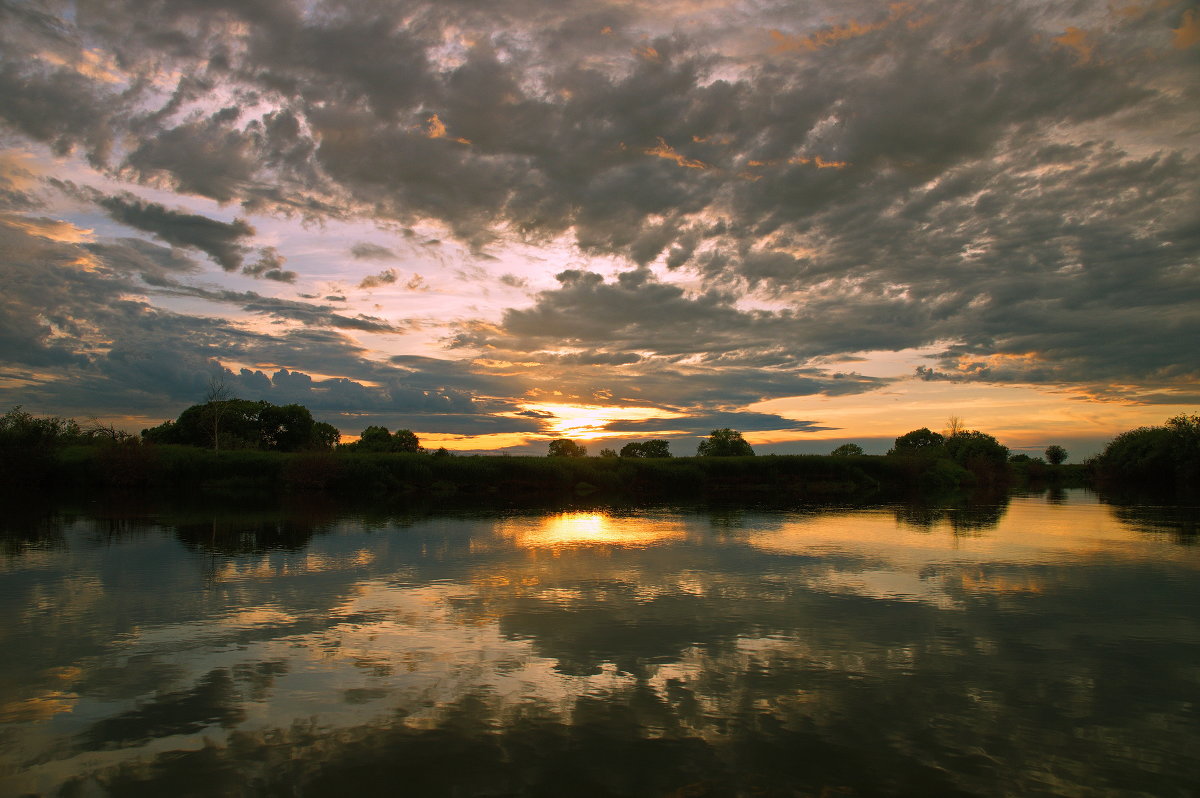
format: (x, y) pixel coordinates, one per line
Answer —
(1049, 646)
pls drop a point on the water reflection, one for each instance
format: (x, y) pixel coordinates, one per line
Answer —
(839, 651)
(592, 529)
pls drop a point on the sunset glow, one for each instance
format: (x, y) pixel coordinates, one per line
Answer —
(495, 225)
(590, 421)
(592, 529)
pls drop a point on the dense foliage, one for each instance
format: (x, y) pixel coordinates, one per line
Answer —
(563, 447)
(651, 448)
(977, 453)
(1166, 457)
(245, 424)
(379, 439)
(233, 444)
(1056, 455)
(724, 443)
(921, 441)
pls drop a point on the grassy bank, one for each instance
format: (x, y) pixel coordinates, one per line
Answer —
(188, 471)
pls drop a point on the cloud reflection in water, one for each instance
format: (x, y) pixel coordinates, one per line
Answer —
(780, 651)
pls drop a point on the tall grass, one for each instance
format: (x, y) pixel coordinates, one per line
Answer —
(181, 471)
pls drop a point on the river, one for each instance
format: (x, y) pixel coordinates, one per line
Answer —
(1045, 645)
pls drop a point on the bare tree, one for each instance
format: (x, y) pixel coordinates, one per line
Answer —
(216, 401)
(954, 425)
(95, 428)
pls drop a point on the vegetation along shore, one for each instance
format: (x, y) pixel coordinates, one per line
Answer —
(240, 447)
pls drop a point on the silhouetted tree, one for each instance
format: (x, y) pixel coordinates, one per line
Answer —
(246, 425)
(216, 405)
(404, 440)
(379, 439)
(1055, 454)
(325, 436)
(979, 453)
(920, 441)
(564, 447)
(608, 452)
(972, 445)
(724, 443)
(1166, 457)
(21, 430)
(652, 448)
(847, 450)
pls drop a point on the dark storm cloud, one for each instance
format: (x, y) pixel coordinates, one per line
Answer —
(149, 260)
(641, 341)
(1014, 185)
(704, 423)
(303, 312)
(615, 321)
(220, 240)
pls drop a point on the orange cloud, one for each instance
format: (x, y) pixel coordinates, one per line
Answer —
(436, 129)
(1188, 32)
(1076, 40)
(664, 150)
(55, 230)
(818, 162)
(839, 33)
(648, 53)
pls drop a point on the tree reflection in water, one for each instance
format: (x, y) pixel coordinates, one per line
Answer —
(825, 651)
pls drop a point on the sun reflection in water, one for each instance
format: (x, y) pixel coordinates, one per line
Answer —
(591, 529)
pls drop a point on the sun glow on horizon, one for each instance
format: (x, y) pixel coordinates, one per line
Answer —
(589, 421)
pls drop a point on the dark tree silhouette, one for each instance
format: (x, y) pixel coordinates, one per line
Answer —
(243, 424)
(216, 406)
(379, 439)
(847, 450)
(652, 448)
(563, 447)
(919, 441)
(1055, 454)
(724, 443)
(1162, 458)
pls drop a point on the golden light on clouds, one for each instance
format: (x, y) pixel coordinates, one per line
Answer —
(18, 170)
(589, 421)
(459, 443)
(54, 230)
(819, 162)
(664, 150)
(92, 64)
(801, 160)
(838, 33)
(1076, 40)
(435, 128)
(1188, 32)
(1020, 416)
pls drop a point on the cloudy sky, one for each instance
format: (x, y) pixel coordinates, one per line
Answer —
(495, 223)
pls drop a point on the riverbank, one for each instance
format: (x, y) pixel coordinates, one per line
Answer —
(171, 471)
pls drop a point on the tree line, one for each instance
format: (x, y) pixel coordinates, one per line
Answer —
(1152, 456)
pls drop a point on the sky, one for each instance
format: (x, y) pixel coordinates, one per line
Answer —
(499, 223)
